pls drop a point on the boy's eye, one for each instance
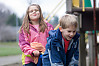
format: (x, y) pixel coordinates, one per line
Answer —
(74, 31)
(69, 31)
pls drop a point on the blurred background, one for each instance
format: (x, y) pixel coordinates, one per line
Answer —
(13, 11)
(11, 17)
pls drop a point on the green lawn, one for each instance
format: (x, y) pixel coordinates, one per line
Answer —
(9, 48)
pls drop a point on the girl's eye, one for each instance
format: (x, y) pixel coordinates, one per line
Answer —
(33, 11)
(30, 11)
(36, 10)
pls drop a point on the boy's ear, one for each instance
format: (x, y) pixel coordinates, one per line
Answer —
(60, 28)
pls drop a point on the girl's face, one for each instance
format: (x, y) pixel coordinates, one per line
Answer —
(34, 13)
(69, 32)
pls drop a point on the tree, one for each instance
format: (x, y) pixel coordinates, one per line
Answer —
(12, 20)
(54, 21)
(4, 16)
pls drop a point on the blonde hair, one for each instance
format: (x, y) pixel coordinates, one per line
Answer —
(68, 20)
(26, 21)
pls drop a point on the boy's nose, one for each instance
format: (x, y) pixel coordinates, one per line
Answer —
(71, 33)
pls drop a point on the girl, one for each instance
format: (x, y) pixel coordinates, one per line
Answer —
(35, 30)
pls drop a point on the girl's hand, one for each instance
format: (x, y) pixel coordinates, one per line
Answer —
(36, 53)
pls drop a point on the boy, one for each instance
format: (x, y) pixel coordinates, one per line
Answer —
(62, 46)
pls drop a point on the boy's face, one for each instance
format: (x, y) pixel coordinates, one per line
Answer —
(69, 32)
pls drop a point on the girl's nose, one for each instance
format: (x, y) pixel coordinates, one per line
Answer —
(34, 11)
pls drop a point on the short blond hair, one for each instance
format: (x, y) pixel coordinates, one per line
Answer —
(68, 20)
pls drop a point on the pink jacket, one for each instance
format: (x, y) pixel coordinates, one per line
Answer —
(35, 36)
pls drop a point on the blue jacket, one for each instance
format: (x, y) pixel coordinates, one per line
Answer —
(58, 55)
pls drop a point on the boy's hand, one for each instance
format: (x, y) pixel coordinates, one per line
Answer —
(36, 53)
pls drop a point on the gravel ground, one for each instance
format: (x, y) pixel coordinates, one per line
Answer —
(15, 64)
(11, 60)
(18, 63)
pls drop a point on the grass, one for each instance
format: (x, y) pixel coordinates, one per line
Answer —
(9, 48)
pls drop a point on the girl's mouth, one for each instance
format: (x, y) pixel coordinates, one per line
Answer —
(34, 14)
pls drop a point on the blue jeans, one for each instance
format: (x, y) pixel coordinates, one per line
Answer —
(39, 61)
(33, 64)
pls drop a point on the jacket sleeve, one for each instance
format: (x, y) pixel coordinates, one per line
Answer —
(45, 57)
(75, 58)
(24, 43)
(49, 27)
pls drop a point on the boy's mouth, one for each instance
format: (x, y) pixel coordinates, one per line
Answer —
(70, 37)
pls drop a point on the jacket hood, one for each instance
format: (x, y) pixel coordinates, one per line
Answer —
(55, 34)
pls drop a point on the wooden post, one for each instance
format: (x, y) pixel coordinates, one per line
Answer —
(68, 6)
(82, 49)
(82, 44)
(80, 3)
(91, 48)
